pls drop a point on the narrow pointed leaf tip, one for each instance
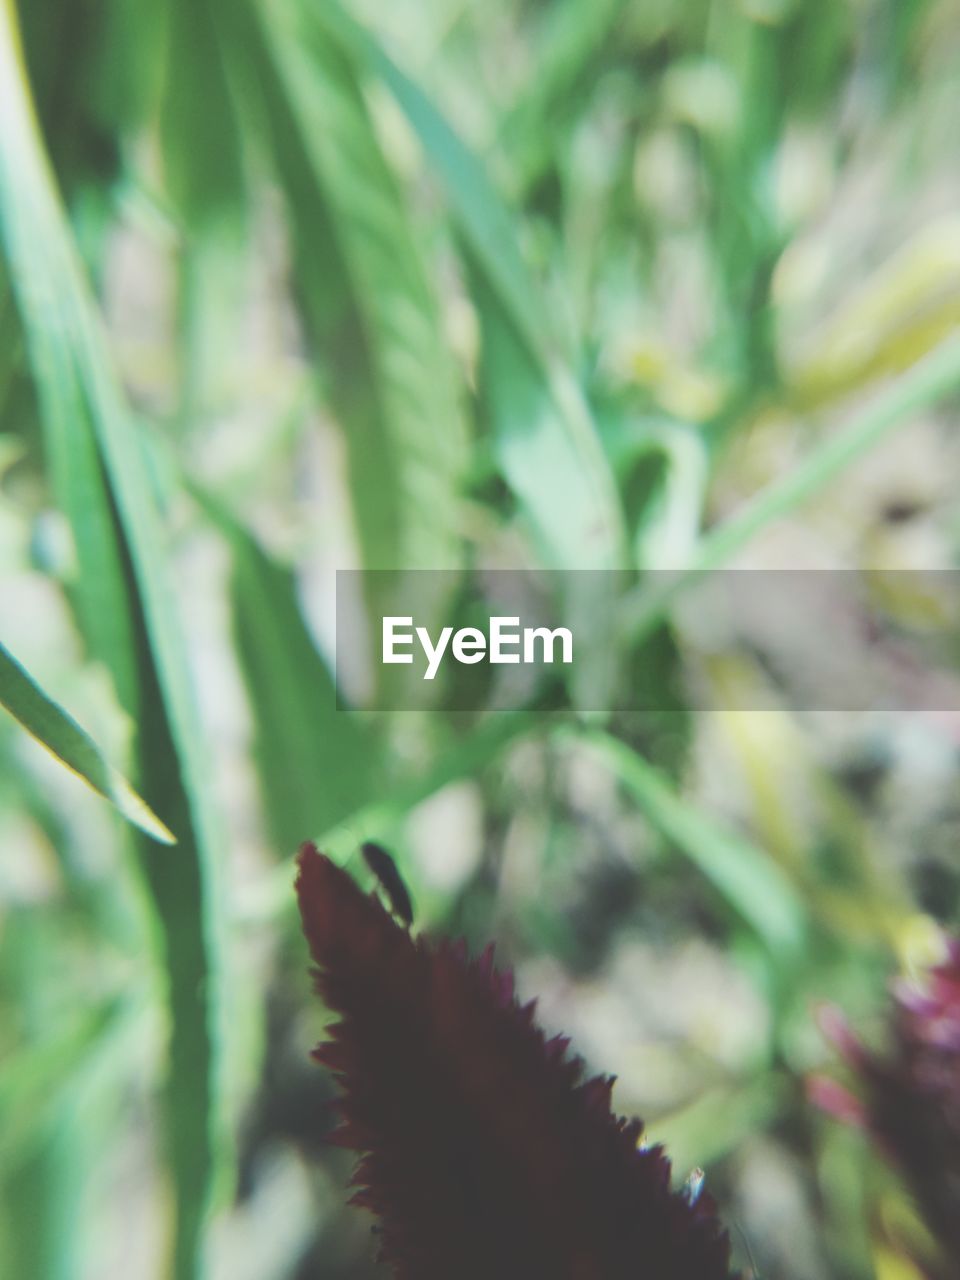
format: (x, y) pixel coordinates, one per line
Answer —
(54, 729)
(483, 1150)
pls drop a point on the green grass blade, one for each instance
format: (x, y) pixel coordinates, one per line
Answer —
(34, 1077)
(750, 882)
(929, 381)
(189, 918)
(202, 150)
(573, 37)
(565, 429)
(47, 721)
(317, 763)
(537, 458)
(95, 583)
(59, 1050)
(42, 1194)
(365, 292)
(198, 127)
(174, 775)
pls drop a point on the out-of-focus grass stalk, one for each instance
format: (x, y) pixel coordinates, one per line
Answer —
(66, 343)
(927, 382)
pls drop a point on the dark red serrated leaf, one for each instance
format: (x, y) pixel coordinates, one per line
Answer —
(483, 1151)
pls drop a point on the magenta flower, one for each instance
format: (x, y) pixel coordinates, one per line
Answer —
(483, 1151)
(908, 1097)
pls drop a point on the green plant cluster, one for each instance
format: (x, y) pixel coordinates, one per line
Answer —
(580, 284)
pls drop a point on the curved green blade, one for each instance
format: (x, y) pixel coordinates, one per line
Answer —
(47, 721)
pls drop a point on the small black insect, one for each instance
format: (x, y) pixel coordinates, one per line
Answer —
(385, 869)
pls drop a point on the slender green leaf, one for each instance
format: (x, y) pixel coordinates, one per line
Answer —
(318, 763)
(61, 1053)
(573, 37)
(752, 884)
(35, 1078)
(561, 437)
(47, 721)
(539, 460)
(205, 178)
(96, 583)
(201, 142)
(930, 380)
(59, 316)
(365, 292)
(41, 1198)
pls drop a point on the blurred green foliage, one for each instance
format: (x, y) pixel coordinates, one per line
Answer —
(288, 287)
